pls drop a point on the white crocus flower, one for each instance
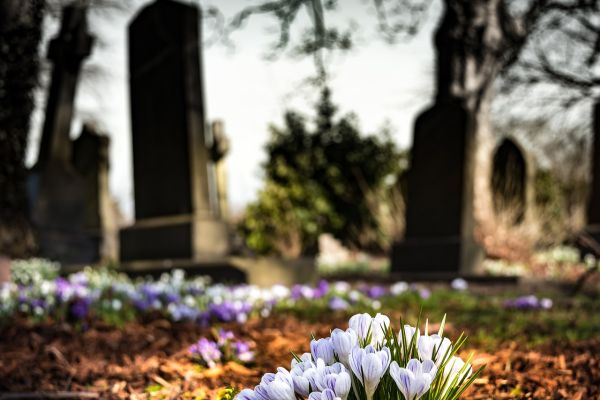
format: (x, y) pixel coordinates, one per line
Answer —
(327, 394)
(414, 380)
(343, 342)
(279, 386)
(334, 377)
(433, 347)
(301, 371)
(322, 349)
(409, 333)
(246, 394)
(454, 372)
(369, 366)
(363, 324)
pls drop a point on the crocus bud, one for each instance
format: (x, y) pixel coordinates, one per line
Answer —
(322, 349)
(343, 343)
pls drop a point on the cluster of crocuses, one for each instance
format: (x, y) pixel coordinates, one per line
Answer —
(99, 293)
(371, 361)
(225, 348)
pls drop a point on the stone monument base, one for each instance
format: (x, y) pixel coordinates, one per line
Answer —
(260, 271)
(177, 237)
(444, 255)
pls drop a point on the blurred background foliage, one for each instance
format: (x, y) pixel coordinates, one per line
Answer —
(330, 177)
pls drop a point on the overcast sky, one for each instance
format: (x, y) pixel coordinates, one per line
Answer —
(380, 83)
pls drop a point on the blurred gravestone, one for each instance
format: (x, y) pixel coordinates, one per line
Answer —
(219, 150)
(175, 208)
(593, 219)
(509, 182)
(91, 160)
(64, 213)
(439, 214)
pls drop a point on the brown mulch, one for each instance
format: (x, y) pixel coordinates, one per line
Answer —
(123, 363)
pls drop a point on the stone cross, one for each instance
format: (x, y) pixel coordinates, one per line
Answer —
(61, 196)
(66, 51)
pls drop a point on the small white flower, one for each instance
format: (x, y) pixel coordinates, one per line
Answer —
(398, 288)
(459, 284)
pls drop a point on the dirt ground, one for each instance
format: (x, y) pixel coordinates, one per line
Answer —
(105, 362)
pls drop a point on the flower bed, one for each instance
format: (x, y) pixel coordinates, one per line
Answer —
(369, 361)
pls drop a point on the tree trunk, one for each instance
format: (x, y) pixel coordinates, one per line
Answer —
(475, 41)
(20, 35)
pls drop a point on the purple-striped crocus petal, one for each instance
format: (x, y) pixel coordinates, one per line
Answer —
(403, 378)
(361, 323)
(372, 370)
(343, 343)
(280, 390)
(322, 349)
(246, 394)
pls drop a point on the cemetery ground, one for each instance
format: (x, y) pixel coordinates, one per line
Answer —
(68, 337)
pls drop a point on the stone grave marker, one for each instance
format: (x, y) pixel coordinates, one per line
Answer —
(439, 214)
(59, 194)
(176, 215)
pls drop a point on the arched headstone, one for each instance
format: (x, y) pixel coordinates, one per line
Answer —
(509, 182)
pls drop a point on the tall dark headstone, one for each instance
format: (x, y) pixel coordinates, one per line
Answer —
(439, 214)
(176, 215)
(57, 190)
(439, 234)
(593, 217)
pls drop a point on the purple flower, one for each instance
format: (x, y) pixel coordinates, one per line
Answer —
(530, 302)
(206, 351)
(172, 297)
(424, 293)
(182, 312)
(242, 351)
(229, 311)
(224, 336)
(376, 292)
(296, 292)
(338, 304)
(321, 289)
(64, 291)
(80, 308)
